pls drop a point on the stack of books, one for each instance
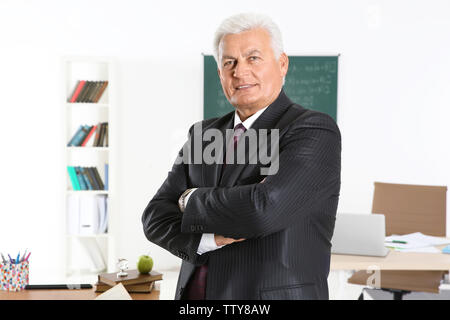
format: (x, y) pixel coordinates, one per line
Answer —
(133, 282)
(88, 91)
(82, 137)
(87, 178)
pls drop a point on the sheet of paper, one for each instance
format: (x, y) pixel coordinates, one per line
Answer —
(118, 292)
(415, 240)
(423, 249)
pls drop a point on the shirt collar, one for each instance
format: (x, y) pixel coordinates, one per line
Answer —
(249, 121)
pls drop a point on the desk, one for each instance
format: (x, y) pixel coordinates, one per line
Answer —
(395, 260)
(63, 294)
(427, 269)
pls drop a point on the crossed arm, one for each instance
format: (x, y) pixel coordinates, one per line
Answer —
(309, 171)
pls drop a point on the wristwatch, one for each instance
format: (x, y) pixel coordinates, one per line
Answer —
(181, 202)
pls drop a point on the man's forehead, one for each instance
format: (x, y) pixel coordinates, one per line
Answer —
(246, 42)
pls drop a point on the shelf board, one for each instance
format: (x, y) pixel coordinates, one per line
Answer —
(87, 191)
(87, 104)
(89, 148)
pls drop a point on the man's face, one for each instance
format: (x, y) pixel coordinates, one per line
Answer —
(250, 74)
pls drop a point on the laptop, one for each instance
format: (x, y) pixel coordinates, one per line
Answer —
(359, 234)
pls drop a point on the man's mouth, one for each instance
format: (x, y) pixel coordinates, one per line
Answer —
(245, 86)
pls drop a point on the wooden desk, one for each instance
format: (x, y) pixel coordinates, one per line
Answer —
(398, 268)
(63, 294)
(422, 281)
(395, 260)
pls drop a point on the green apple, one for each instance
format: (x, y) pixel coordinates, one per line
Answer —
(145, 264)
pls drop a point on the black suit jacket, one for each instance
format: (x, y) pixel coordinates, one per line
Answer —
(287, 221)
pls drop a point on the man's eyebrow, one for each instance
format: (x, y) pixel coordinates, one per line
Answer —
(249, 53)
(228, 57)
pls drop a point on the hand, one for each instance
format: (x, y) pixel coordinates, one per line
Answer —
(222, 241)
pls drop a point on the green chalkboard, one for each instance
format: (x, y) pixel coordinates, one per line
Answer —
(311, 81)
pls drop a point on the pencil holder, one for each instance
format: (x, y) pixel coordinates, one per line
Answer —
(14, 277)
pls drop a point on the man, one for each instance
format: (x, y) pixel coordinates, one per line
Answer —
(242, 234)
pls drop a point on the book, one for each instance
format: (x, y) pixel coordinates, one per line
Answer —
(93, 92)
(106, 134)
(103, 213)
(91, 183)
(74, 90)
(80, 178)
(102, 134)
(88, 136)
(106, 176)
(98, 178)
(86, 179)
(91, 178)
(97, 134)
(73, 178)
(78, 139)
(76, 133)
(77, 91)
(131, 288)
(133, 277)
(94, 179)
(88, 91)
(82, 94)
(100, 92)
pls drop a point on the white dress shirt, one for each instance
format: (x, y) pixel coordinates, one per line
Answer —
(207, 242)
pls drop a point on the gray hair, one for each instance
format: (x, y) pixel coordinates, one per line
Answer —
(247, 21)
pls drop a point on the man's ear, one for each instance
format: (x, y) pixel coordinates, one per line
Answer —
(284, 63)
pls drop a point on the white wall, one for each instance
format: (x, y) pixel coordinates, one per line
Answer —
(393, 99)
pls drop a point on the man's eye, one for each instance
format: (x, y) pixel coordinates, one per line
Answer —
(253, 58)
(227, 63)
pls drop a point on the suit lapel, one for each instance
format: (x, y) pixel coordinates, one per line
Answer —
(211, 173)
(267, 120)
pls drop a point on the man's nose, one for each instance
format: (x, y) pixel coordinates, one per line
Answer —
(241, 69)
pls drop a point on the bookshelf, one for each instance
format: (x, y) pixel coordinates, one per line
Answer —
(89, 205)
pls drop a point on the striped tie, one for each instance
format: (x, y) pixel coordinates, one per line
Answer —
(238, 131)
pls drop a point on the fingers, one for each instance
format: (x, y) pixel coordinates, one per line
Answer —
(228, 240)
(221, 240)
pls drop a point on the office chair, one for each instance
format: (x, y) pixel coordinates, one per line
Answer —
(408, 209)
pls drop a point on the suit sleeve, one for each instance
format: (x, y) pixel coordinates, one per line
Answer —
(309, 172)
(162, 218)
